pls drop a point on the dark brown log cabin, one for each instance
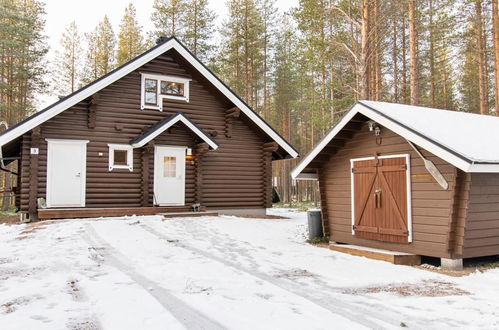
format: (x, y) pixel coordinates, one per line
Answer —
(377, 192)
(159, 133)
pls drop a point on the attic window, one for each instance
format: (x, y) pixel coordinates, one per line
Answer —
(120, 157)
(155, 88)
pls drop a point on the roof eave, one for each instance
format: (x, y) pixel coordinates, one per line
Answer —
(87, 91)
(452, 157)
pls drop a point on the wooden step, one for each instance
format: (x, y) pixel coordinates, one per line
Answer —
(97, 212)
(188, 214)
(397, 258)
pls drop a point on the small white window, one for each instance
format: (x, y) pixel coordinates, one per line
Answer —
(120, 157)
(155, 88)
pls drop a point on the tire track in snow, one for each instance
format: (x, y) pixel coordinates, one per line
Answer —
(185, 314)
(371, 304)
(350, 311)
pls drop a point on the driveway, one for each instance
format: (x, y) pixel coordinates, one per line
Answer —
(219, 273)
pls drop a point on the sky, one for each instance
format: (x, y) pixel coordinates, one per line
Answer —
(88, 13)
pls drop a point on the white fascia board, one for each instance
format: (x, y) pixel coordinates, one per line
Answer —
(172, 43)
(172, 122)
(237, 102)
(483, 168)
(324, 142)
(87, 92)
(198, 132)
(426, 144)
(415, 138)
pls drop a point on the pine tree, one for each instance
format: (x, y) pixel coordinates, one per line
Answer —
(67, 68)
(242, 49)
(168, 17)
(100, 51)
(198, 24)
(130, 40)
(22, 51)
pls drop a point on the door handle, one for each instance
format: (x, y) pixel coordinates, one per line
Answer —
(377, 198)
(78, 175)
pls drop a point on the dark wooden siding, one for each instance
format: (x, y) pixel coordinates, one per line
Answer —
(481, 237)
(231, 175)
(432, 207)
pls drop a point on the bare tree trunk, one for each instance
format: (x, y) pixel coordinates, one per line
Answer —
(404, 63)
(377, 50)
(432, 57)
(364, 51)
(395, 63)
(413, 64)
(495, 20)
(481, 59)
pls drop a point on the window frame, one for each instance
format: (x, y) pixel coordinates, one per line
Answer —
(159, 97)
(129, 157)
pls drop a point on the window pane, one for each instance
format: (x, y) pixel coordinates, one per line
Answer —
(151, 85)
(172, 88)
(120, 157)
(151, 98)
(169, 167)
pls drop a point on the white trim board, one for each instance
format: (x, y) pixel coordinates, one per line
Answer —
(450, 156)
(129, 67)
(175, 119)
(408, 189)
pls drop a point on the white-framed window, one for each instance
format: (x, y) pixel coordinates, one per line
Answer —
(155, 88)
(120, 157)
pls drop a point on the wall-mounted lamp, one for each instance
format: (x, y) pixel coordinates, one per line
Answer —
(373, 126)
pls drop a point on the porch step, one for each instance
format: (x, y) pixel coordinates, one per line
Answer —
(397, 258)
(63, 213)
(169, 215)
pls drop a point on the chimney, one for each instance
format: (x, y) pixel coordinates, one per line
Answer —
(161, 39)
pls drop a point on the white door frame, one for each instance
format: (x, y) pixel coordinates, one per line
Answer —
(83, 172)
(156, 162)
(408, 187)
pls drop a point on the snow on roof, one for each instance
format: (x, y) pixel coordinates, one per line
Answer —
(474, 136)
(466, 140)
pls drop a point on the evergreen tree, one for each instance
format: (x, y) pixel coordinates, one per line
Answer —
(168, 16)
(100, 51)
(242, 49)
(67, 70)
(130, 40)
(22, 51)
(198, 26)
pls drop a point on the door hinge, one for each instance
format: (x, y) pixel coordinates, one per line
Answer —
(353, 170)
(354, 227)
(404, 166)
(406, 233)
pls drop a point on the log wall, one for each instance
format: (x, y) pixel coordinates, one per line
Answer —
(231, 175)
(432, 207)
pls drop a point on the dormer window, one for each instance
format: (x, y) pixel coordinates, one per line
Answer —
(155, 88)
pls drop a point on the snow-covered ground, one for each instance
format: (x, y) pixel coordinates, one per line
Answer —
(216, 273)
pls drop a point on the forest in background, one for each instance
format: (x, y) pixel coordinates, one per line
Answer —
(300, 70)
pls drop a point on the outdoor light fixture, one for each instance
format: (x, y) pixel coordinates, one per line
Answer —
(373, 126)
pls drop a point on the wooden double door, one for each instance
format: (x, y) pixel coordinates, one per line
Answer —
(381, 198)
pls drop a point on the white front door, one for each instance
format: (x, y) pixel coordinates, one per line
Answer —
(169, 175)
(66, 172)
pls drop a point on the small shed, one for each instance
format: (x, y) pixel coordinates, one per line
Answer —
(409, 179)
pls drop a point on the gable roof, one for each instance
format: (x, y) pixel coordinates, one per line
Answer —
(168, 122)
(465, 140)
(85, 92)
